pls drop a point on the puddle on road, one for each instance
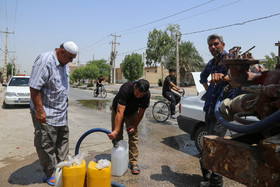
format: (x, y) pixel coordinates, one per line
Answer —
(96, 104)
(182, 143)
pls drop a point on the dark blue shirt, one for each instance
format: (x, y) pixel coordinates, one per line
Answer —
(213, 91)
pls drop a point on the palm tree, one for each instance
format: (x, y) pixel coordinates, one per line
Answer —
(189, 59)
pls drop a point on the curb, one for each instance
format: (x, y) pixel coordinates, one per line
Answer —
(114, 91)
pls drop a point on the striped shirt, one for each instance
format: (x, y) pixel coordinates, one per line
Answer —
(52, 79)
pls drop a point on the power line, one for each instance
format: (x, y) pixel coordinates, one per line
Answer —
(95, 42)
(167, 16)
(178, 20)
(231, 25)
(132, 51)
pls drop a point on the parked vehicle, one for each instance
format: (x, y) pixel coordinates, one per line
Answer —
(191, 118)
(17, 91)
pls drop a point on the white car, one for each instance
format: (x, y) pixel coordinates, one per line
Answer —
(17, 91)
(192, 117)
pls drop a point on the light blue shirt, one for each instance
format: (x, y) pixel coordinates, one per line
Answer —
(52, 79)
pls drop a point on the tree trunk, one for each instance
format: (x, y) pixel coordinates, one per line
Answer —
(161, 71)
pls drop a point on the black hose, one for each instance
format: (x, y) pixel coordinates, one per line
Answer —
(85, 135)
(266, 123)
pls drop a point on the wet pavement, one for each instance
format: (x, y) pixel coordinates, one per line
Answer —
(167, 155)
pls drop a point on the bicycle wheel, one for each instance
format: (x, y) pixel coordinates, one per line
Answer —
(161, 111)
(94, 93)
(103, 93)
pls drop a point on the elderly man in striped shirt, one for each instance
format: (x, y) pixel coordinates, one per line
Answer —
(49, 88)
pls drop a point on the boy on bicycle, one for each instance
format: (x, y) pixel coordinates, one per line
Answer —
(99, 83)
(170, 83)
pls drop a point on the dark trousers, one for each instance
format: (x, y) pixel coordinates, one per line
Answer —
(51, 144)
(214, 127)
(97, 88)
(173, 98)
(132, 138)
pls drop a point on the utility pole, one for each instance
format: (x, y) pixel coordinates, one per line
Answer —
(177, 61)
(13, 66)
(114, 56)
(144, 60)
(6, 52)
(111, 62)
(278, 57)
(78, 62)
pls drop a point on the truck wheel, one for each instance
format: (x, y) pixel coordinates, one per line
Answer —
(198, 137)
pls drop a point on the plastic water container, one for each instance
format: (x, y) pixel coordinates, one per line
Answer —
(98, 177)
(74, 176)
(58, 177)
(119, 158)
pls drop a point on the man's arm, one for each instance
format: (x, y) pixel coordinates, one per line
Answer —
(174, 87)
(37, 101)
(140, 115)
(118, 121)
(205, 85)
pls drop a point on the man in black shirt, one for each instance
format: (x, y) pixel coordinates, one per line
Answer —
(170, 83)
(99, 84)
(129, 106)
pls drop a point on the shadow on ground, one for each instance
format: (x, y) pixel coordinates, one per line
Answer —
(178, 179)
(26, 175)
(182, 143)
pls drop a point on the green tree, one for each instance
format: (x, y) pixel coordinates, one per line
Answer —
(132, 66)
(189, 60)
(104, 68)
(271, 61)
(9, 69)
(173, 31)
(158, 46)
(77, 75)
(90, 72)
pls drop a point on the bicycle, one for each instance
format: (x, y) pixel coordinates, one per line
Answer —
(161, 110)
(102, 92)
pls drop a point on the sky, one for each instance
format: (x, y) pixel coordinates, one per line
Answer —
(38, 26)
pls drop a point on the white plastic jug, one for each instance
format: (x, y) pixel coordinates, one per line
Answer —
(119, 158)
(58, 177)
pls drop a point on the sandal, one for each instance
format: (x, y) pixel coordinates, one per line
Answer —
(135, 169)
(49, 180)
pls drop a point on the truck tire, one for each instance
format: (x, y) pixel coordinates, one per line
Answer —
(198, 137)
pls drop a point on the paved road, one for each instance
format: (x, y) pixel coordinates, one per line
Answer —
(167, 156)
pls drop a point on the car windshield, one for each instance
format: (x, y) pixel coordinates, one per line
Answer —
(18, 81)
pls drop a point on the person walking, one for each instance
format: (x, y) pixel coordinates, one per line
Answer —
(49, 89)
(128, 107)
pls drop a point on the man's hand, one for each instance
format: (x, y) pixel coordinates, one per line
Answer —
(113, 135)
(216, 78)
(130, 129)
(180, 91)
(41, 116)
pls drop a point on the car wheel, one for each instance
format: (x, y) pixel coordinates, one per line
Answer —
(5, 105)
(198, 137)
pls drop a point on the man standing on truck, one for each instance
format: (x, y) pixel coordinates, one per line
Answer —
(219, 79)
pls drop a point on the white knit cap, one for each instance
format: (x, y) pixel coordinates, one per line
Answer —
(71, 47)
